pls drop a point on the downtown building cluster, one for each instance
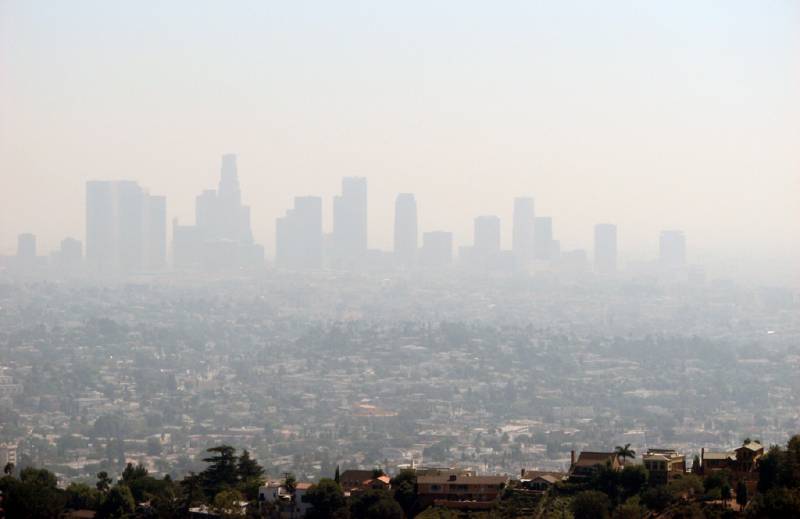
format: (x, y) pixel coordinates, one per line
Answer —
(126, 233)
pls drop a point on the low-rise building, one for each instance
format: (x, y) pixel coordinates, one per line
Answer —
(664, 465)
(461, 492)
(589, 462)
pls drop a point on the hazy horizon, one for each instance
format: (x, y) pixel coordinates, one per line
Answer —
(680, 115)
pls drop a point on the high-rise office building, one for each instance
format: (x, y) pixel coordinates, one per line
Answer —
(350, 221)
(672, 249)
(544, 247)
(487, 235)
(26, 247)
(125, 228)
(605, 248)
(437, 249)
(155, 232)
(70, 254)
(221, 237)
(298, 235)
(522, 234)
(405, 229)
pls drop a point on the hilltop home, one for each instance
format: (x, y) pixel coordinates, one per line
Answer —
(460, 492)
(664, 465)
(589, 462)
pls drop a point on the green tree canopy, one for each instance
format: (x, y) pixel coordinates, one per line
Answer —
(590, 504)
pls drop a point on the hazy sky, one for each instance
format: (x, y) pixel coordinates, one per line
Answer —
(651, 115)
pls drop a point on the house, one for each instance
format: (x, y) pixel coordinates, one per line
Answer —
(748, 456)
(540, 481)
(460, 492)
(714, 461)
(664, 465)
(589, 462)
(355, 479)
(379, 483)
(742, 461)
(286, 503)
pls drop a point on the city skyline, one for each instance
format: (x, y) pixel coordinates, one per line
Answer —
(694, 127)
(126, 231)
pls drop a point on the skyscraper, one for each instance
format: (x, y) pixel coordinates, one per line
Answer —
(26, 247)
(350, 221)
(605, 248)
(155, 232)
(125, 227)
(221, 237)
(405, 229)
(70, 254)
(543, 245)
(298, 235)
(437, 249)
(487, 235)
(522, 234)
(672, 249)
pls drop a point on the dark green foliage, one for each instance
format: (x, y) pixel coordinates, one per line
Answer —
(118, 503)
(36, 497)
(326, 497)
(103, 481)
(718, 480)
(375, 504)
(192, 491)
(222, 471)
(741, 493)
(629, 510)
(404, 485)
(624, 452)
(290, 482)
(81, 496)
(657, 498)
(590, 504)
(779, 483)
(251, 475)
(632, 479)
(39, 477)
(777, 502)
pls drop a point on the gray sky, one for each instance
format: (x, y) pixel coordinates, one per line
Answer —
(651, 115)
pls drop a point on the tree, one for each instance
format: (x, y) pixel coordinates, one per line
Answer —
(696, 467)
(404, 485)
(375, 504)
(336, 475)
(624, 452)
(38, 477)
(629, 510)
(118, 503)
(8, 469)
(632, 479)
(251, 475)
(103, 481)
(289, 482)
(248, 467)
(657, 498)
(777, 502)
(222, 472)
(326, 498)
(741, 494)
(192, 491)
(82, 496)
(34, 498)
(132, 472)
(227, 504)
(590, 504)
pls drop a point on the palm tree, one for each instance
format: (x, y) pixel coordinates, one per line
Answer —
(624, 452)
